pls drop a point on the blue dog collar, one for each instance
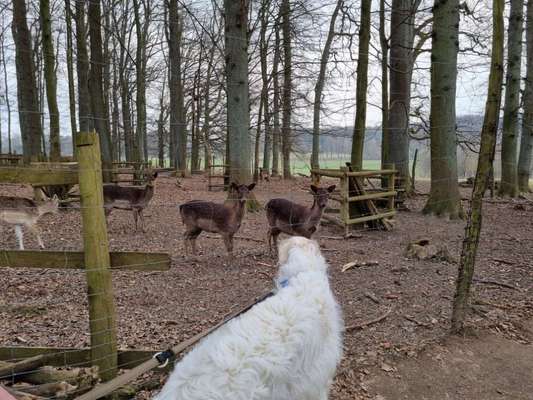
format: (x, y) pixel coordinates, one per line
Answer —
(284, 283)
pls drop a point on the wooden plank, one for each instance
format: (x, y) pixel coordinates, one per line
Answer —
(72, 357)
(38, 176)
(328, 173)
(366, 173)
(371, 196)
(124, 261)
(360, 220)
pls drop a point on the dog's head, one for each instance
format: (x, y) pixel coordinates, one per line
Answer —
(298, 254)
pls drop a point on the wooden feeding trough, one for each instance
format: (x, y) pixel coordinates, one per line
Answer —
(217, 176)
(359, 203)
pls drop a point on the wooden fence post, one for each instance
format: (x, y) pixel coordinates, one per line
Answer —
(392, 183)
(97, 261)
(345, 203)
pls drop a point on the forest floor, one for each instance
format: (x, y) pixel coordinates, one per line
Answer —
(405, 355)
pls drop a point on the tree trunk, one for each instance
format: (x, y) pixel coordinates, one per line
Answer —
(70, 75)
(140, 68)
(384, 88)
(238, 112)
(287, 88)
(526, 142)
(444, 198)
(96, 87)
(509, 179)
(28, 103)
(50, 78)
(319, 86)
(82, 67)
(263, 53)
(257, 141)
(106, 79)
(178, 125)
(402, 23)
(362, 86)
(486, 157)
(276, 133)
(6, 93)
(161, 128)
(195, 126)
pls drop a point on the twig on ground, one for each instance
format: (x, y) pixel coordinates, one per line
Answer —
(496, 283)
(363, 325)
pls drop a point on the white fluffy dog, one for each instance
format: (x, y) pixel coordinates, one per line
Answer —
(286, 347)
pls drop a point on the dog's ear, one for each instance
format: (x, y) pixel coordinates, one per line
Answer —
(314, 189)
(331, 188)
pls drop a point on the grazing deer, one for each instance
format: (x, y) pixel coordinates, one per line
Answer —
(20, 211)
(198, 216)
(136, 198)
(294, 219)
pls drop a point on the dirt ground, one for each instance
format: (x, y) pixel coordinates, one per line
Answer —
(398, 357)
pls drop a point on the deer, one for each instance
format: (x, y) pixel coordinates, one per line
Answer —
(20, 211)
(295, 219)
(198, 216)
(136, 198)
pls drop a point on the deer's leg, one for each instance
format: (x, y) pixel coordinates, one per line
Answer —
(141, 217)
(20, 236)
(190, 239)
(228, 242)
(273, 233)
(36, 231)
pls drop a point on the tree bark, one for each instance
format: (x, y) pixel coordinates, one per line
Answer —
(402, 24)
(96, 87)
(28, 103)
(362, 86)
(526, 141)
(50, 79)
(238, 112)
(6, 93)
(509, 179)
(286, 133)
(444, 197)
(486, 157)
(70, 75)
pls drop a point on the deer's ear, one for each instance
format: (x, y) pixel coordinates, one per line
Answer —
(314, 189)
(251, 186)
(331, 188)
(233, 185)
(155, 174)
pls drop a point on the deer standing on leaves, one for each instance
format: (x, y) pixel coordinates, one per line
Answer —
(135, 198)
(294, 219)
(20, 211)
(198, 216)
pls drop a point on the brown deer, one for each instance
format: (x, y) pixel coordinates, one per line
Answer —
(294, 219)
(20, 211)
(135, 198)
(198, 216)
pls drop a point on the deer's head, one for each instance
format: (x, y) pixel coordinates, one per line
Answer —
(150, 177)
(322, 195)
(241, 191)
(49, 206)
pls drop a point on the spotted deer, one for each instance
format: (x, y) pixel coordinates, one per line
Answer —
(198, 216)
(295, 219)
(20, 211)
(134, 198)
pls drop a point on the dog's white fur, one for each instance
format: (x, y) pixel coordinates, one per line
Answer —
(285, 348)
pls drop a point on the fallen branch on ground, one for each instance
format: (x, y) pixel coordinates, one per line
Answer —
(358, 264)
(496, 283)
(368, 323)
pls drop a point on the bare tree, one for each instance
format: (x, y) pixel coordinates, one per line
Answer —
(82, 69)
(27, 92)
(362, 86)
(50, 78)
(321, 80)
(509, 179)
(286, 131)
(70, 74)
(444, 198)
(486, 157)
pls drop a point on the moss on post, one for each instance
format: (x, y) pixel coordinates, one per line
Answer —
(97, 260)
